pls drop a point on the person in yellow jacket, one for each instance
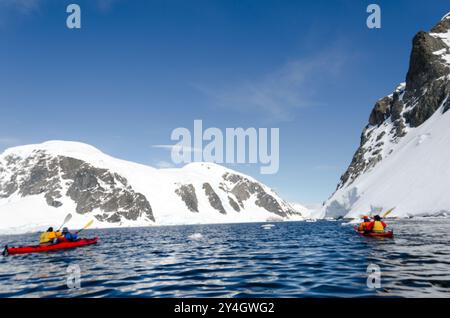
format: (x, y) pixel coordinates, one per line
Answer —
(49, 236)
(376, 225)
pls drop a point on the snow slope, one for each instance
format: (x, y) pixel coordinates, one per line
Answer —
(313, 212)
(414, 178)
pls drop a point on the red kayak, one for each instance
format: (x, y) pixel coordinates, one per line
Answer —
(46, 248)
(388, 234)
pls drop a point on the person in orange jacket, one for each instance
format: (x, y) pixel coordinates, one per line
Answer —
(376, 225)
(363, 225)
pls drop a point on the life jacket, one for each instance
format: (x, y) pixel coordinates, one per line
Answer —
(363, 226)
(48, 237)
(378, 226)
(70, 236)
(44, 238)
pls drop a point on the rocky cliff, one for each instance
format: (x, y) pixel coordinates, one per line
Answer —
(397, 119)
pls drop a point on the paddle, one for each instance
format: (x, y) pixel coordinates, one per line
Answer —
(384, 215)
(388, 212)
(86, 226)
(67, 219)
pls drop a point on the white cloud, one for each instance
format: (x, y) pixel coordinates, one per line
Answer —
(26, 7)
(105, 6)
(164, 164)
(13, 11)
(22, 6)
(276, 94)
(177, 148)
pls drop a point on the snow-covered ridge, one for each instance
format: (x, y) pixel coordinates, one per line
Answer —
(41, 183)
(73, 149)
(443, 53)
(442, 32)
(55, 147)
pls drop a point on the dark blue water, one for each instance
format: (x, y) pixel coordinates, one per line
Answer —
(298, 259)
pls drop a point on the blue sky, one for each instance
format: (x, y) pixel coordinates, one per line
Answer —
(138, 69)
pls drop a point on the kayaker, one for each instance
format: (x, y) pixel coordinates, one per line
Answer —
(67, 236)
(363, 225)
(49, 236)
(376, 225)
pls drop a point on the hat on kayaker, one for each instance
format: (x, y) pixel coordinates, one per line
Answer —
(377, 218)
(65, 230)
(365, 218)
(50, 229)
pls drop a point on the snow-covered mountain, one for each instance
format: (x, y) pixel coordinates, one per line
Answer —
(40, 184)
(404, 157)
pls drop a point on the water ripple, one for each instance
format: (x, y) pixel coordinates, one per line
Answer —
(297, 259)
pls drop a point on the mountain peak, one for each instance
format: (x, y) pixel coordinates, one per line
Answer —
(443, 26)
(54, 147)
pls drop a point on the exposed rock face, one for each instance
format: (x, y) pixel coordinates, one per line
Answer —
(234, 204)
(424, 65)
(240, 191)
(243, 189)
(187, 194)
(426, 90)
(213, 198)
(89, 187)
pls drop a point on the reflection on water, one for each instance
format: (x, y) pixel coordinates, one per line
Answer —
(295, 259)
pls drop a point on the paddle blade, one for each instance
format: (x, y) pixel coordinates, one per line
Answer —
(388, 212)
(68, 218)
(88, 224)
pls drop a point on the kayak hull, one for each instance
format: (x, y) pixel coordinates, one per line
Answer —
(388, 234)
(46, 248)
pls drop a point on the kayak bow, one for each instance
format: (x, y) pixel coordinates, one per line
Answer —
(46, 248)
